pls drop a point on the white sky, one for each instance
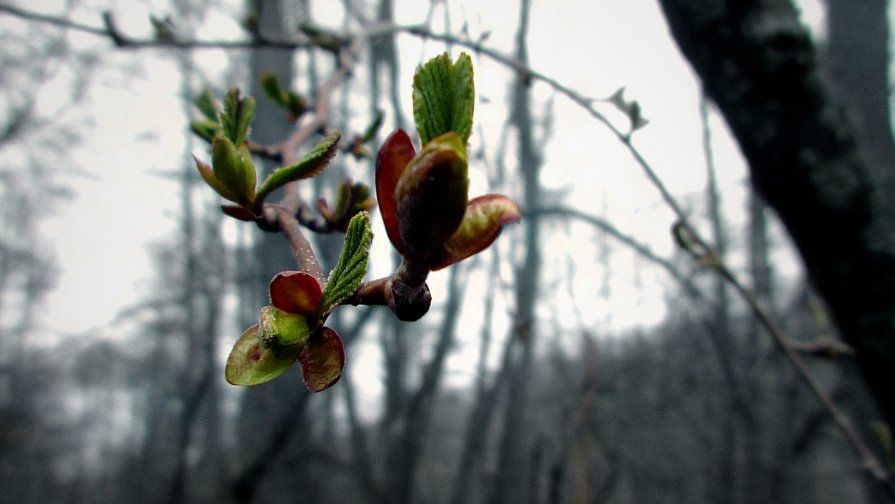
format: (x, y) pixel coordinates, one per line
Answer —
(594, 47)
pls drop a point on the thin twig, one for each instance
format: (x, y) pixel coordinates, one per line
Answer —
(301, 248)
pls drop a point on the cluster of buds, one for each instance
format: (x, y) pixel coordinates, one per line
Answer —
(423, 198)
(290, 329)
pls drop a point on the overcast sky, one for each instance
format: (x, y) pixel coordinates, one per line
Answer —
(595, 47)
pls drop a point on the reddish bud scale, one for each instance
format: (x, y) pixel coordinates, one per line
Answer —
(431, 199)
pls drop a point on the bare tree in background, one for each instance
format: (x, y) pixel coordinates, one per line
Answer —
(758, 64)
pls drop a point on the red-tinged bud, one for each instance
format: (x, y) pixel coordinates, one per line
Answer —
(431, 196)
(322, 360)
(296, 292)
(391, 161)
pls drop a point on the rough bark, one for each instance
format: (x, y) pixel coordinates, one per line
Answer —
(758, 63)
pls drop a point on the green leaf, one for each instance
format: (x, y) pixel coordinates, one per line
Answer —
(231, 171)
(206, 104)
(371, 130)
(205, 129)
(272, 88)
(312, 164)
(250, 363)
(237, 116)
(207, 173)
(444, 97)
(352, 266)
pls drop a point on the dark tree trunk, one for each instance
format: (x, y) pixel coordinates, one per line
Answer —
(758, 64)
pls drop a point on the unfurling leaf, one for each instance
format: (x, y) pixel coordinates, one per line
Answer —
(237, 116)
(295, 292)
(444, 97)
(312, 164)
(207, 173)
(206, 129)
(322, 37)
(232, 171)
(351, 199)
(351, 267)
(250, 363)
(322, 360)
(484, 219)
(371, 130)
(206, 104)
(272, 88)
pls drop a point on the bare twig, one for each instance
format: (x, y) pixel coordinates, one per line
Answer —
(301, 248)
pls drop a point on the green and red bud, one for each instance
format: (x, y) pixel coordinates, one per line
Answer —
(431, 196)
(322, 360)
(289, 330)
(286, 334)
(351, 199)
(423, 199)
(250, 363)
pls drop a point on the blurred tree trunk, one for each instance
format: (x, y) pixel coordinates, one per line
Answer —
(512, 469)
(407, 451)
(725, 489)
(758, 64)
(857, 61)
(271, 414)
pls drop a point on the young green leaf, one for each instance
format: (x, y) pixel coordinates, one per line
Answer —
(351, 267)
(371, 130)
(237, 116)
(463, 104)
(231, 171)
(207, 173)
(444, 97)
(205, 129)
(206, 104)
(250, 363)
(310, 165)
(272, 88)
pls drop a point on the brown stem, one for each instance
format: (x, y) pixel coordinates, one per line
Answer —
(301, 248)
(405, 292)
(372, 293)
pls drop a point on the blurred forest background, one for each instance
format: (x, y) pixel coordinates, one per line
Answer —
(583, 359)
